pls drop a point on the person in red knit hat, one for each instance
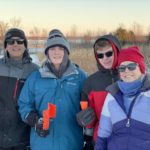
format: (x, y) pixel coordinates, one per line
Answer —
(125, 121)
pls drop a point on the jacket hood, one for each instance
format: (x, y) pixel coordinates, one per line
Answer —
(116, 47)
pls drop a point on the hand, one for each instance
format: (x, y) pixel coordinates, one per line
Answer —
(85, 117)
(39, 128)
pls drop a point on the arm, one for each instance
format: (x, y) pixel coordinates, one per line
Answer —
(26, 98)
(27, 108)
(86, 117)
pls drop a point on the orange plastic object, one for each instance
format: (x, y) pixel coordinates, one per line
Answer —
(48, 114)
(83, 105)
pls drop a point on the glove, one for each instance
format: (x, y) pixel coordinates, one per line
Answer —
(32, 118)
(89, 144)
(34, 121)
(39, 128)
(85, 117)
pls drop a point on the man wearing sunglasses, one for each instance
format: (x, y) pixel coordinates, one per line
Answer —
(106, 49)
(15, 67)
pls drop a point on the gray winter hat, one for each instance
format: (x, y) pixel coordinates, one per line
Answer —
(56, 38)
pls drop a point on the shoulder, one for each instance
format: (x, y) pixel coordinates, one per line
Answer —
(33, 65)
(113, 88)
(35, 75)
(95, 77)
(80, 71)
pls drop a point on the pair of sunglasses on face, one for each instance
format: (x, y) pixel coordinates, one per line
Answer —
(131, 67)
(12, 41)
(107, 54)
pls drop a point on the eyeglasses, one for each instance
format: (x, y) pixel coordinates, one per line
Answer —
(131, 67)
(107, 54)
(12, 41)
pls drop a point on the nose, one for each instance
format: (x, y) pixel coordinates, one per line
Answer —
(126, 69)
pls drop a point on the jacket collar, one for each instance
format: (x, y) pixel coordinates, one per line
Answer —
(46, 73)
(26, 58)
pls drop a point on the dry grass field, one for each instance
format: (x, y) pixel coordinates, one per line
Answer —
(86, 60)
(82, 57)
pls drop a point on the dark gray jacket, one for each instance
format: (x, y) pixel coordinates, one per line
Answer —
(13, 132)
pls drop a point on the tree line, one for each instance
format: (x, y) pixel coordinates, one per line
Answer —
(134, 35)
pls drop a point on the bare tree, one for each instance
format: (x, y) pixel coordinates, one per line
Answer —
(35, 35)
(15, 22)
(3, 28)
(100, 32)
(137, 29)
(44, 33)
(74, 31)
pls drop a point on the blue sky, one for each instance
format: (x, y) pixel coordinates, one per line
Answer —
(84, 14)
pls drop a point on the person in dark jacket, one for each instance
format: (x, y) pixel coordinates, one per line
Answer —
(125, 121)
(58, 82)
(106, 50)
(15, 67)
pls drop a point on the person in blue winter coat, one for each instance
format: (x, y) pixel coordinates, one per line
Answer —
(125, 121)
(58, 81)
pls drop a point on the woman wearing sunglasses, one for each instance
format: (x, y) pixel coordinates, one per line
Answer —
(125, 118)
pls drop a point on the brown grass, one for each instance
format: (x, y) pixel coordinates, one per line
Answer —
(83, 58)
(86, 60)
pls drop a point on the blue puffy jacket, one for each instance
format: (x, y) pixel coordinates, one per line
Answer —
(43, 87)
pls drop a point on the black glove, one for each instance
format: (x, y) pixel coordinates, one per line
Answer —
(85, 117)
(39, 128)
(32, 118)
(34, 121)
(89, 144)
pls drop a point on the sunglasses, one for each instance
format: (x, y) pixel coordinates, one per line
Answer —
(12, 41)
(107, 54)
(131, 67)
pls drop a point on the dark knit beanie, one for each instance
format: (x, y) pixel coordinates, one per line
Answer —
(15, 32)
(56, 38)
(132, 54)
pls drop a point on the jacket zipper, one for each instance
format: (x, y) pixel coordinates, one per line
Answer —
(16, 88)
(128, 123)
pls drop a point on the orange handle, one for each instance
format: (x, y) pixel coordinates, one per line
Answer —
(46, 122)
(83, 105)
(48, 114)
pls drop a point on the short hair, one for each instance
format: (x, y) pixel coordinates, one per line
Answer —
(101, 43)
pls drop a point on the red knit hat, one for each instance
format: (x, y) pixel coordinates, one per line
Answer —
(132, 54)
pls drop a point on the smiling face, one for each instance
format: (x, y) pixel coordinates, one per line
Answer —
(130, 73)
(56, 55)
(106, 56)
(15, 47)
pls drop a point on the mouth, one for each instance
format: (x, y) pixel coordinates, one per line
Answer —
(16, 49)
(57, 57)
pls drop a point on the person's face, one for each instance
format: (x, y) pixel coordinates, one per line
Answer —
(129, 71)
(15, 47)
(106, 56)
(56, 55)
